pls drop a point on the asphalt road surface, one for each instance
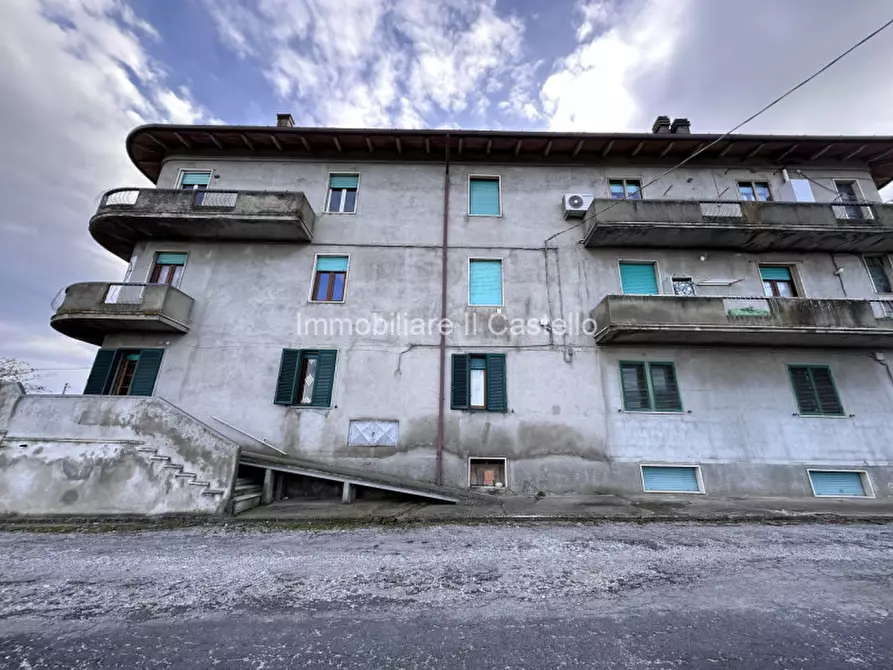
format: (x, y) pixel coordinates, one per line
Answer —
(507, 596)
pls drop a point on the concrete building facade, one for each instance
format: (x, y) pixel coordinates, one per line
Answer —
(752, 361)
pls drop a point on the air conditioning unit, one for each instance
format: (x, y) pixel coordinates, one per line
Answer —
(576, 204)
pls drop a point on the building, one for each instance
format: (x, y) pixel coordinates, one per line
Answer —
(508, 311)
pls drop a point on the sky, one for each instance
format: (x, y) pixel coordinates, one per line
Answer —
(77, 75)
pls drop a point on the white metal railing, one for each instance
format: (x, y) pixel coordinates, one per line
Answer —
(882, 309)
(124, 294)
(730, 210)
(126, 197)
(56, 302)
(216, 198)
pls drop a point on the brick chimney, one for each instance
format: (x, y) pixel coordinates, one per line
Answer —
(681, 127)
(661, 125)
(285, 120)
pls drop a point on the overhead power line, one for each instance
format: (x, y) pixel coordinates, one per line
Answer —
(740, 125)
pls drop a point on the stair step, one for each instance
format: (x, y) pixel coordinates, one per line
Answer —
(247, 488)
(245, 502)
(148, 450)
(205, 484)
(172, 466)
(213, 492)
(186, 475)
(159, 458)
(243, 481)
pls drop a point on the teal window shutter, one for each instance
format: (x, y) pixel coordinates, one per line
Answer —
(168, 258)
(483, 196)
(485, 282)
(195, 179)
(775, 273)
(670, 479)
(344, 181)
(289, 365)
(840, 483)
(325, 378)
(496, 383)
(814, 390)
(101, 373)
(634, 386)
(664, 388)
(459, 382)
(331, 264)
(146, 372)
(638, 278)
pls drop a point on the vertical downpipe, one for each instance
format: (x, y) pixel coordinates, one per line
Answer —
(443, 311)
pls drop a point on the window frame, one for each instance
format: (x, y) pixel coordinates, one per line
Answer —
(471, 369)
(640, 261)
(887, 265)
(819, 415)
(867, 485)
(303, 353)
(315, 272)
(487, 407)
(649, 387)
(328, 196)
(505, 472)
(182, 172)
(625, 181)
(796, 279)
(501, 279)
(865, 211)
(752, 183)
(698, 474)
(489, 177)
(155, 264)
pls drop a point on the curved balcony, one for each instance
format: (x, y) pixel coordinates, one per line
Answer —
(742, 321)
(90, 311)
(754, 226)
(128, 215)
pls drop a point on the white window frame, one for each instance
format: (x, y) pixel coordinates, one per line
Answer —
(501, 278)
(867, 486)
(498, 179)
(796, 276)
(700, 477)
(183, 172)
(505, 470)
(625, 189)
(888, 269)
(328, 196)
(155, 261)
(752, 183)
(316, 258)
(641, 261)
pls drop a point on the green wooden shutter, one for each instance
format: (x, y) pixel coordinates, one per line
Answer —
(325, 378)
(459, 382)
(635, 387)
(803, 390)
(146, 372)
(664, 388)
(829, 402)
(496, 383)
(101, 373)
(285, 381)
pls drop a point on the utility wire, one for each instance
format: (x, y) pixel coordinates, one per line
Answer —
(743, 123)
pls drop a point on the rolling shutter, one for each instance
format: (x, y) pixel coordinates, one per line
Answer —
(674, 479)
(840, 483)
(100, 374)
(195, 179)
(496, 383)
(168, 258)
(459, 382)
(775, 273)
(325, 378)
(638, 278)
(288, 372)
(344, 181)
(483, 197)
(146, 372)
(635, 387)
(484, 282)
(331, 264)
(664, 387)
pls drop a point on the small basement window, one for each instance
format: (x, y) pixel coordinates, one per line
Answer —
(671, 479)
(840, 483)
(486, 472)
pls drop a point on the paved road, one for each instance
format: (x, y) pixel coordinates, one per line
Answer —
(520, 597)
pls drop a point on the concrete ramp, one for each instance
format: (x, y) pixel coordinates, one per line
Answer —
(350, 477)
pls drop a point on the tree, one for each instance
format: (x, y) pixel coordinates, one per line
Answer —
(17, 370)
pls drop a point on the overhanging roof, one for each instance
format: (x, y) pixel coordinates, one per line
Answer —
(149, 145)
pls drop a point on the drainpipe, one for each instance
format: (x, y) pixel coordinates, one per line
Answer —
(443, 311)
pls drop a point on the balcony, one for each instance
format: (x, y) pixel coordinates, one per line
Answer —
(126, 216)
(753, 226)
(734, 321)
(90, 311)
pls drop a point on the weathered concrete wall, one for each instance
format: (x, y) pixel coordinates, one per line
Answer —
(82, 455)
(563, 431)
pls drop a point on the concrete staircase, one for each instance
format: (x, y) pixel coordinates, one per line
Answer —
(178, 472)
(246, 494)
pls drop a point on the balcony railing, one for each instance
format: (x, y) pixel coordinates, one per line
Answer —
(854, 227)
(90, 311)
(734, 320)
(128, 215)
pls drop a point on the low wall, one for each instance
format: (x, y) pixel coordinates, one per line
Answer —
(82, 455)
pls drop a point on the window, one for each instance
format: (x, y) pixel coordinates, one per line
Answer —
(168, 268)
(485, 282)
(124, 372)
(195, 180)
(625, 189)
(754, 191)
(479, 382)
(815, 391)
(878, 266)
(483, 196)
(330, 279)
(671, 479)
(488, 472)
(306, 377)
(342, 196)
(840, 483)
(638, 278)
(649, 387)
(847, 193)
(778, 281)
(683, 286)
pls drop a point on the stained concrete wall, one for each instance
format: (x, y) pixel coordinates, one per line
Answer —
(563, 431)
(82, 455)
